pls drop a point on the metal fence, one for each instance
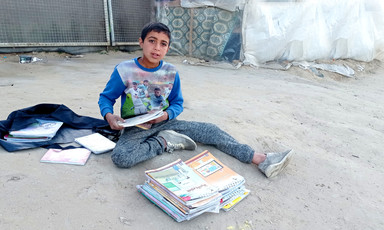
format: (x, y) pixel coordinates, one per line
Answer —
(37, 23)
(127, 20)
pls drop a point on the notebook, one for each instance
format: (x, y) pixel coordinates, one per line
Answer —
(215, 172)
(96, 142)
(76, 156)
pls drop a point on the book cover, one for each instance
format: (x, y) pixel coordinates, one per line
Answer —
(215, 172)
(41, 128)
(11, 138)
(179, 179)
(77, 156)
(96, 142)
(141, 119)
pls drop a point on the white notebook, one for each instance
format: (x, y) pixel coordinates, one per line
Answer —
(96, 142)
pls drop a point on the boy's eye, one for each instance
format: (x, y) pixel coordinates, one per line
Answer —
(164, 44)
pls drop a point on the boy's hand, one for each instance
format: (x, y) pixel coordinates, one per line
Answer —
(112, 120)
(159, 119)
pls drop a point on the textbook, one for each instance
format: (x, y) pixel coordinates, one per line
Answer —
(41, 130)
(141, 119)
(76, 156)
(187, 189)
(11, 138)
(96, 142)
(179, 179)
(215, 172)
(173, 211)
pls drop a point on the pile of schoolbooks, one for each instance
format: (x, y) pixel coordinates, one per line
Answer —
(185, 190)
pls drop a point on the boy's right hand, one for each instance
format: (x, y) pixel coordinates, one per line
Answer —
(112, 120)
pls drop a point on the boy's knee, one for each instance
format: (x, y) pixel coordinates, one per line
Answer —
(122, 161)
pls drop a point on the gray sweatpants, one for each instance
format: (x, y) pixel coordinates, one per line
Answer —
(137, 145)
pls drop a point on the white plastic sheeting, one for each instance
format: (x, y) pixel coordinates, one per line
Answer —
(230, 5)
(312, 30)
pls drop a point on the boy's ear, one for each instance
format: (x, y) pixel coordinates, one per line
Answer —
(141, 42)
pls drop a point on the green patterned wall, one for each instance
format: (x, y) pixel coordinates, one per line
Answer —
(215, 32)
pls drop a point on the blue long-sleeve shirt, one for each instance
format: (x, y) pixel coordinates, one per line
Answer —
(128, 82)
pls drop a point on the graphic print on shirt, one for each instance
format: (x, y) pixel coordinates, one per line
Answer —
(146, 91)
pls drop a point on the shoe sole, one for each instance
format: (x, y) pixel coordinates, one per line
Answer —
(183, 136)
(275, 169)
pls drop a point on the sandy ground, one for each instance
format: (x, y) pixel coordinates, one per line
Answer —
(335, 125)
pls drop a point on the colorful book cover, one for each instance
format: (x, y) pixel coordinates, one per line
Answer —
(179, 179)
(214, 172)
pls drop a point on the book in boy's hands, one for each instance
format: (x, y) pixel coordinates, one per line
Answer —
(96, 142)
(76, 156)
(141, 119)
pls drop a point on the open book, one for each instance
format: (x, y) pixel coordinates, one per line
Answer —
(141, 119)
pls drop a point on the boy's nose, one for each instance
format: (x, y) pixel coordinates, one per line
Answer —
(157, 46)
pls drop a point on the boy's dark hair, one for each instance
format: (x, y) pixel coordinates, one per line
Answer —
(157, 27)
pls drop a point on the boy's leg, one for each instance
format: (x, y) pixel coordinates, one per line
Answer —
(271, 164)
(210, 134)
(136, 145)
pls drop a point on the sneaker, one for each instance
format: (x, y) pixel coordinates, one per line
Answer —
(177, 141)
(275, 163)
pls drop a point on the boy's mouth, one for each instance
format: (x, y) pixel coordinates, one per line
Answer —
(155, 55)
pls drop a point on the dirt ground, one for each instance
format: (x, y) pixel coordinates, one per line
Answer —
(335, 125)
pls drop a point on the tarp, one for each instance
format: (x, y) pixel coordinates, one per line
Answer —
(230, 5)
(312, 30)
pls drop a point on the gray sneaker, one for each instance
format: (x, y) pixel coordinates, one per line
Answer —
(177, 141)
(275, 163)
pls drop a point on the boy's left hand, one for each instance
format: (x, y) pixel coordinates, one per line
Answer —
(159, 119)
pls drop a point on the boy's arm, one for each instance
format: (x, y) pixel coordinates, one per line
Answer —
(113, 90)
(175, 100)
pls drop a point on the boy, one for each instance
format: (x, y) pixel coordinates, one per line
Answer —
(167, 133)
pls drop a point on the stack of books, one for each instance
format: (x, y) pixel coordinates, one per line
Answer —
(41, 130)
(185, 190)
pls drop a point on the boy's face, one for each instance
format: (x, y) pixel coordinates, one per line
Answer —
(155, 46)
